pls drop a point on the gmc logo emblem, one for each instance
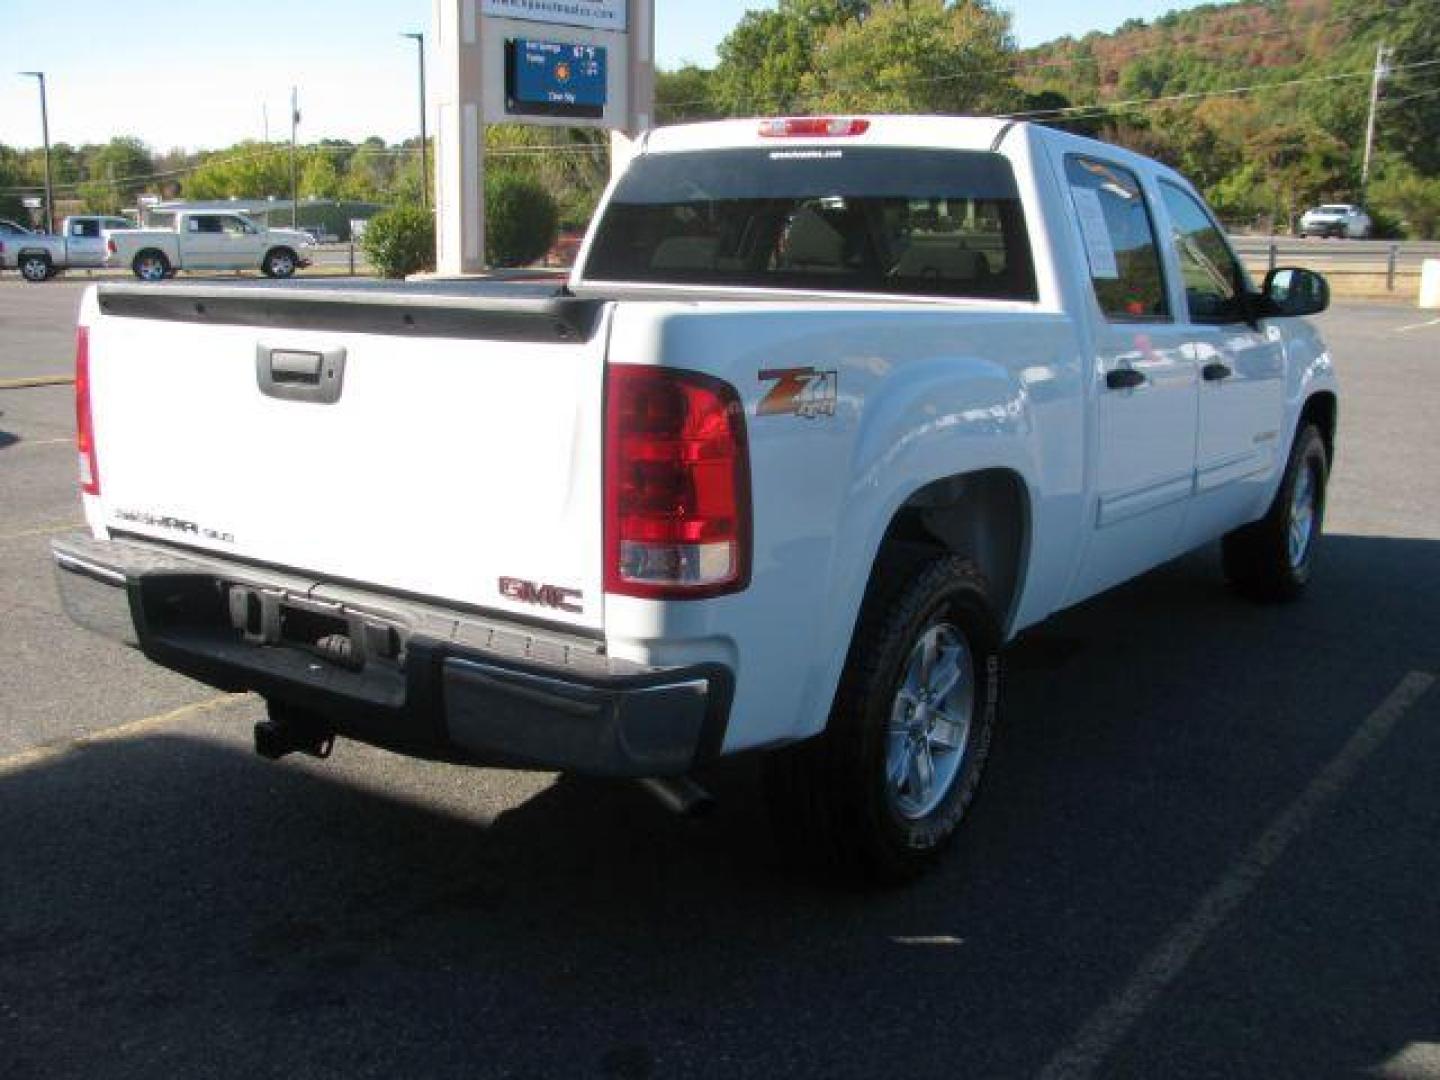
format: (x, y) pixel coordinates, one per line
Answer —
(551, 596)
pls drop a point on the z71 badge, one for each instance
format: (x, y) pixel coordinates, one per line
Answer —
(806, 392)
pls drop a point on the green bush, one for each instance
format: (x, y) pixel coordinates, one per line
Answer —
(400, 242)
(522, 220)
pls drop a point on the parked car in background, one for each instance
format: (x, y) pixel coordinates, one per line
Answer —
(39, 257)
(10, 232)
(1337, 219)
(208, 241)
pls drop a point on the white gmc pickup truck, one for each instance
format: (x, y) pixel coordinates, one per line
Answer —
(830, 410)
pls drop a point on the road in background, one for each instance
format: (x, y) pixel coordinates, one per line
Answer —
(173, 905)
(1330, 255)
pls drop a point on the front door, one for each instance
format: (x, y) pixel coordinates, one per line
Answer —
(1241, 367)
(1146, 384)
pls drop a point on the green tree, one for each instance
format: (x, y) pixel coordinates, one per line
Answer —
(12, 176)
(916, 56)
(319, 178)
(248, 170)
(763, 62)
(1402, 191)
(684, 95)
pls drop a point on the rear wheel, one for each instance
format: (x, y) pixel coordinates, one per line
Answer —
(151, 266)
(280, 263)
(36, 268)
(1273, 558)
(882, 791)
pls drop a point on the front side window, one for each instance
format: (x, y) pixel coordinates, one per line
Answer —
(939, 223)
(1215, 284)
(1119, 237)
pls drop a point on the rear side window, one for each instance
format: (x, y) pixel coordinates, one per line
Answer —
(916, 222)
(1119, 237)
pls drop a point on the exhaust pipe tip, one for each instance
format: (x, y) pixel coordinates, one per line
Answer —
(680, 795)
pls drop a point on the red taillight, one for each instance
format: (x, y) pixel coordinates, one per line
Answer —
(677, 485)
(110, 245)
(813, 127)
(84, 425)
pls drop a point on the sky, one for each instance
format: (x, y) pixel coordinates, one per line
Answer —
(204, 73)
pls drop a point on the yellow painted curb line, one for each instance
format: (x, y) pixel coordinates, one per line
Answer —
(36, 380)
(41, 754)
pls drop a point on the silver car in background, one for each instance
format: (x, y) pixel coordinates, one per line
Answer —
(1337, 219)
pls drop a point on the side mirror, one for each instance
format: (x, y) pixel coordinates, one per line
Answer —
(1291, 292)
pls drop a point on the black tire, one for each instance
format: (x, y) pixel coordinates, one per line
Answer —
(831, 797)
(35, 269)
(1259, 558)
(151, 265)
(280, 263)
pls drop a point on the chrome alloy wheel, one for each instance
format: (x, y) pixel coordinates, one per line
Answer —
(1302, 516)
(150, 268)
(34, 268)
(930, 722)
(281, 266)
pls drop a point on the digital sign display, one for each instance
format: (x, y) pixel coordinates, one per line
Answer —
(551, 78)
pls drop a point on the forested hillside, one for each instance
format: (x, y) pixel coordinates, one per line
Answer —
(1262, 103)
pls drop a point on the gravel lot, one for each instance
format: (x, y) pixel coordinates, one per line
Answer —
(1207, 845)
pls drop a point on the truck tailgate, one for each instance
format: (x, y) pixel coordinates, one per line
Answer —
(459, 460)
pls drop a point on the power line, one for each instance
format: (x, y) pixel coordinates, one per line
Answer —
(1197, 95)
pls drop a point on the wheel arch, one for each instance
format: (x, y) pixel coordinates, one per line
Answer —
(984, 515)
(1322, 409)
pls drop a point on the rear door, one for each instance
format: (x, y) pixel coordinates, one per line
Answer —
(459, 452)
(84, 245)
(202, 241)
(1145, 389)
(1241, 366)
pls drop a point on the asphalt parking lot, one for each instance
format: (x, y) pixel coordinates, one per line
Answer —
(1208, 845)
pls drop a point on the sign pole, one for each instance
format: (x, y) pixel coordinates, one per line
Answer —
(554, 63)
(460, 140)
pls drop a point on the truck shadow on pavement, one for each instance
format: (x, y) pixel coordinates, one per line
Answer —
(174, 906)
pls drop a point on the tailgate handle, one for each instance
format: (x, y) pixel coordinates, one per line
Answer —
(316, 375)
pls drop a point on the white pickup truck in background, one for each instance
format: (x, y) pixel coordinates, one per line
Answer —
(830, 411)
(80, 245)
(209, 241)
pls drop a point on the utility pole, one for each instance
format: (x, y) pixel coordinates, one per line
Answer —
(265, 121)
(45, 134)
(1382, 69)
(424, 153)
(294, 167)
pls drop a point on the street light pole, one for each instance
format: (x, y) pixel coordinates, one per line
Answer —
(419, 40)
(45, 133)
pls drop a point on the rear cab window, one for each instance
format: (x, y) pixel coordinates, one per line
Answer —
(820, 218)
(1121, 247)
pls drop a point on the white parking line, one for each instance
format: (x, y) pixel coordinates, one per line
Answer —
(1107, 1027)
(41, 754)
(1417, 326)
